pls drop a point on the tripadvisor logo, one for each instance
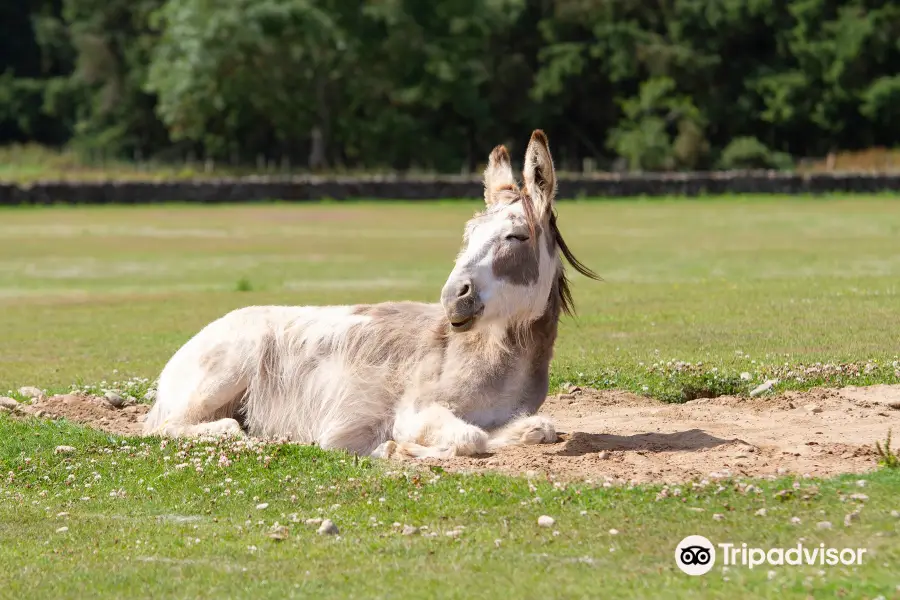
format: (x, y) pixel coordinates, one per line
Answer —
(696, 555)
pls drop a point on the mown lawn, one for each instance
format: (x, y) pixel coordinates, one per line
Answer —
(765, 287)
(696, 293)
(114, 518)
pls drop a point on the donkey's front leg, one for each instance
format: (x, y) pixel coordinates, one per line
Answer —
(529, 430)
(432, 432)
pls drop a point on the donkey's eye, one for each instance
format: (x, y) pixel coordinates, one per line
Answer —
(518, 237)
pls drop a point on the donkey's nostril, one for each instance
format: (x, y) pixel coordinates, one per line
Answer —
(464, 290)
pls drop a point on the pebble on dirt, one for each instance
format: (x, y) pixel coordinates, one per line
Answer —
(327, 528)
(114, 399)
(546, 521)
(9, 403)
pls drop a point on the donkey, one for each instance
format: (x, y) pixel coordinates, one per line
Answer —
(398, 379)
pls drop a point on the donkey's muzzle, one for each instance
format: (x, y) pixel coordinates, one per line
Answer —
(461, 304)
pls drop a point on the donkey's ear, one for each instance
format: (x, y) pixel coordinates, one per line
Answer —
(498, 174)
(539, 174)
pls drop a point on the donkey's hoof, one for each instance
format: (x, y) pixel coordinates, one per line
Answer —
(221, 428)
(541, 431)
(385, 449)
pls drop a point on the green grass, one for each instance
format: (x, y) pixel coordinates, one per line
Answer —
(699, 297)
(695, 292)
(174, 520)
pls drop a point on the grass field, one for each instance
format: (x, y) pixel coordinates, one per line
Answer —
(764, 287)
(137, 518)
(695, 294)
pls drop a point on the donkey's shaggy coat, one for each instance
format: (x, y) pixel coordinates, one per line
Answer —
(400, 378)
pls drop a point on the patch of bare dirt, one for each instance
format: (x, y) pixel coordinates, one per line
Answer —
(621, 437)
(92, 411)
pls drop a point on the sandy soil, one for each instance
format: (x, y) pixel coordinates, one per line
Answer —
(618, 437)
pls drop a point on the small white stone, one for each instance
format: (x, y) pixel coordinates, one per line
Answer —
(764, 387)
(603, 455)
(761, 512)
(453, 533)
(850, 517)
(795, 520)
(861, 483)
(314, 521)
(410, 530)
(613, 532)
(64, 450)
(546, 521)
(824, 525)
(895, 514)
(262, 506)
(327, 528)
(62, 530)
(718, 517)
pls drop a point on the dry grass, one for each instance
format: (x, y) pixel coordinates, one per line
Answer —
(877, 160)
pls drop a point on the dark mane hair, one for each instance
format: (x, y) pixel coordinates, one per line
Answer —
(565, 293)
(562, 283)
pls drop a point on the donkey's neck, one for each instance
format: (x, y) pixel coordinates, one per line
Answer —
(508, 375)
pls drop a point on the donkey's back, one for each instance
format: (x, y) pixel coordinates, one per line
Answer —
(313, 373)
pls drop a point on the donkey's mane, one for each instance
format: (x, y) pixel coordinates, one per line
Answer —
(565, 293)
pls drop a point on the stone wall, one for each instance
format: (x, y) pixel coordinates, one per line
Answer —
(426, 188)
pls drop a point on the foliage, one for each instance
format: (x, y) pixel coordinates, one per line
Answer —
(887, 457)
(404, 84)
(750, 153)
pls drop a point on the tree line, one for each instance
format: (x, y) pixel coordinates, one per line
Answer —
(410, 84)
